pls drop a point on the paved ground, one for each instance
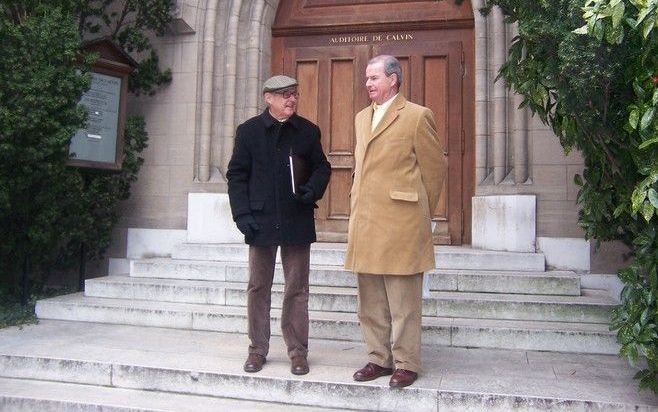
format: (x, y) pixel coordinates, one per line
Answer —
(594, 378)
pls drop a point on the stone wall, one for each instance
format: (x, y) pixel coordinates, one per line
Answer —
(219, 53)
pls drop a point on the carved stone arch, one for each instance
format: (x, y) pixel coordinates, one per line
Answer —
(235, 60)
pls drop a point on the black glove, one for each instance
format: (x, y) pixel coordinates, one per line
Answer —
(247, 225)
(305, 195)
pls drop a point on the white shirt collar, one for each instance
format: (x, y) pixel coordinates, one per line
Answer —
(379, 111)
(384, 106)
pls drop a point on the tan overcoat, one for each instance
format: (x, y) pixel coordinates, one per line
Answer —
(398, 176)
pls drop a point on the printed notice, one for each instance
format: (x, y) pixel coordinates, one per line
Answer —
(98, 141)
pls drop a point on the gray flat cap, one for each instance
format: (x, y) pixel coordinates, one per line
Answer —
(279, 82)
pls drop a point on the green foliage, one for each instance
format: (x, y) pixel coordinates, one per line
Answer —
(39, 93)
(130, 24)
(589, 69)
(13, 313)
(49, 210)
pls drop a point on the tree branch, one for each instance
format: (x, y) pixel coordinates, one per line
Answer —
(124, 13)
(596, 140)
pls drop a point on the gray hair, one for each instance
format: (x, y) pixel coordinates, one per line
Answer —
(391, 66)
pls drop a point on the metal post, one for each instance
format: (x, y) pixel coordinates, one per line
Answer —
(25, 282)
(82, 269)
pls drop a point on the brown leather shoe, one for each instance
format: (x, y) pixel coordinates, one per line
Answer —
(402, 378)
(254, 362)
(298, 365)
(371, 371)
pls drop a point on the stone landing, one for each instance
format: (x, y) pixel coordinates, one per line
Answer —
(75, 366)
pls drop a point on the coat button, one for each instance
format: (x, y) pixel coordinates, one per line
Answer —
(277, 226)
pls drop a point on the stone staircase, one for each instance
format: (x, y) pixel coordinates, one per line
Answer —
(476, 299)
(499, 333)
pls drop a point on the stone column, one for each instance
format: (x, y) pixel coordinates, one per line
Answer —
(519, 120)
(481, 93)
(202, 172)
(253, 90)
(221, 155)
(499, 120)
(520, 141)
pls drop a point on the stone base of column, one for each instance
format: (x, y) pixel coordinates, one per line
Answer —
(209, 219)
(505, 223)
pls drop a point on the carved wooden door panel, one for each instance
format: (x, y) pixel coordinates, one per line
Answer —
(326, 45)
(332, 90)
(329, 84)
(432, 77)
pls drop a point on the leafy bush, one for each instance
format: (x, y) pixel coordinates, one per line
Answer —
(588, 69)
(39, 112)
(130, 24)
(52, 214)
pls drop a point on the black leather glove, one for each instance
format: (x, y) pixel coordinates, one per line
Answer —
(247, 225)
(306, 195)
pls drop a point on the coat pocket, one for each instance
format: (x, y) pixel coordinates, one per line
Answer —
(406, 196)
(256, 205)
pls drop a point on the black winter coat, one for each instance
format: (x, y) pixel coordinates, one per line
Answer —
(259, 181)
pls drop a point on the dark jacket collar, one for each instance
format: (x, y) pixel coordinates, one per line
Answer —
(270, 121)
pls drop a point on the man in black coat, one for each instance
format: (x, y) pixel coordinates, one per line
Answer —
(271, 215)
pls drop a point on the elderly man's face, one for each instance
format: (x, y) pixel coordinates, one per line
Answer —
(282, 103)
(380, 87)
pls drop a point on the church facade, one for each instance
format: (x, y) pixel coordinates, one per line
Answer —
(510, 185)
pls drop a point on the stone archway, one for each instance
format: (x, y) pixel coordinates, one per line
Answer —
(234, 61)
(235, 58)
(326, 46)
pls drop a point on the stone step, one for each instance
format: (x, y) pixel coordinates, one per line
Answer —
(524, 282)
(21, 395)
(591, 308)
(442, 331)
(447, 257)
(199, 367)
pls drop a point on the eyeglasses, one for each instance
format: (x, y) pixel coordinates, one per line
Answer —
(287, 93)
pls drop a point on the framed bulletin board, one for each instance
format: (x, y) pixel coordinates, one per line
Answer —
(99, 144)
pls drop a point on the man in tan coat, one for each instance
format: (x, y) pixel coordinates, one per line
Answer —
(398, 176)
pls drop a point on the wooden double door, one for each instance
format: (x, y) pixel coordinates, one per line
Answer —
(330, 70)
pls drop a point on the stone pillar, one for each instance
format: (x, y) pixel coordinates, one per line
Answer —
(202, 155)
(520, 141)
(499, 121)
(481, 93)
(253, 63)
(519, 119)
(222, 155)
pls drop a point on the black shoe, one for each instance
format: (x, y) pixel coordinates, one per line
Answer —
(298, 365)
(254, 362)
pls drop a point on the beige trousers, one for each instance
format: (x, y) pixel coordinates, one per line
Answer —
(390, 316)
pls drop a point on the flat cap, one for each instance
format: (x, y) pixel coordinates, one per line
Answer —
(279, 82)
